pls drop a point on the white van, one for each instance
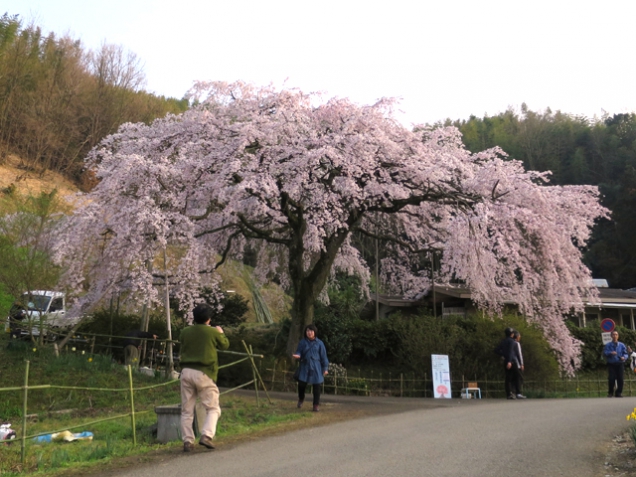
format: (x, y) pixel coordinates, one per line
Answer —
(43, 308)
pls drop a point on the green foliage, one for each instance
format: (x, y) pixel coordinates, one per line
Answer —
(335, 322)
(234, 308)
(6, 300)
(106, 323)
(25, 226)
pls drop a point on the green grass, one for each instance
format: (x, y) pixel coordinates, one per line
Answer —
(51, 410)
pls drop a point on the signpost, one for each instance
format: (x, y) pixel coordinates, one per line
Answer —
(607, 325)
(441, 376)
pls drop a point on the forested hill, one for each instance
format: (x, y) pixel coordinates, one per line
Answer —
(577, 150)
(58, 100)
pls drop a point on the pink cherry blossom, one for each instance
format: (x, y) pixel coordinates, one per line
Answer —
(292, 177)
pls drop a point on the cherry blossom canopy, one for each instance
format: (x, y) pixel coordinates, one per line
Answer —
(292, 178)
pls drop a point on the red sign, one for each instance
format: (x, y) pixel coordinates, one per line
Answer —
(608, 325)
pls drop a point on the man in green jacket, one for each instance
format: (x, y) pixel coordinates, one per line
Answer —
(199, 368)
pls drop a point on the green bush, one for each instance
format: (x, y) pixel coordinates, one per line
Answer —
(592, 349)
(106, 323)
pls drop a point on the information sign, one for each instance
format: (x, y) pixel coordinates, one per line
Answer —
(441, 376)
(606, 337)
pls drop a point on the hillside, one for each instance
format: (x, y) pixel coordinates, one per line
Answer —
(13, 172)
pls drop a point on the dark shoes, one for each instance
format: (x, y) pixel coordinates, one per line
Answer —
(618, 395)
(206, 442)
(316, 408)
(610, 395)
(300, 404)
(188, 447)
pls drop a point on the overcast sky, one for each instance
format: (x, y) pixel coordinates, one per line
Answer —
(443, 59)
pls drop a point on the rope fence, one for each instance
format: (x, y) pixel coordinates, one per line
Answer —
(130, 390)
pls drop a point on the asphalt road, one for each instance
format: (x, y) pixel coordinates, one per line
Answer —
(542, 437)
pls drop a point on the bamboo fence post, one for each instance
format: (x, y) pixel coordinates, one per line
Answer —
(401, 385)
(274, 374)
(132, 406)
(254, 378)
(24, 413)
(256, 370)
(577, 385)
(425, 386)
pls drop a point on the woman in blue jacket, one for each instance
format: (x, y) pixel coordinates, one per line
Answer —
(314, 365)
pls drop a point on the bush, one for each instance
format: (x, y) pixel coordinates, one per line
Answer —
(407, 343)
(592, 349)
(106, 323)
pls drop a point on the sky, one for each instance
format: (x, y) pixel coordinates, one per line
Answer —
(441, 59)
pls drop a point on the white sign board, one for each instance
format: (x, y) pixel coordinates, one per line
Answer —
(606, 337)
(441, 376)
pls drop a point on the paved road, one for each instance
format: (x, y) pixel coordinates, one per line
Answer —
(540, 437)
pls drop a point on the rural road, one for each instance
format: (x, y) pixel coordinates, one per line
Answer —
(426, 437)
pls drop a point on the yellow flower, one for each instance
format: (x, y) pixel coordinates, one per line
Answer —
(90, 360)
(35, 349)
(73, 348)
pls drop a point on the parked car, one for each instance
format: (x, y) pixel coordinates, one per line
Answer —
(40, 308)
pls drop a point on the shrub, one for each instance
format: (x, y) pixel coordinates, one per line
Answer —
(592, 349)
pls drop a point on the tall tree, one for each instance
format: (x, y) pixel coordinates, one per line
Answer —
(293, 178)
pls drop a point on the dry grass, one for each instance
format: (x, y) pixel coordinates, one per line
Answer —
(30, 181)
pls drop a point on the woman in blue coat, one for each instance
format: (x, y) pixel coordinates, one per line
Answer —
(314, 365)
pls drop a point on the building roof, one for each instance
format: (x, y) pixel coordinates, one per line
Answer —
(608, 297)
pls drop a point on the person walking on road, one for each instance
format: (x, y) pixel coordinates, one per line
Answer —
(615, 354)
(314, 365)
(199, 369)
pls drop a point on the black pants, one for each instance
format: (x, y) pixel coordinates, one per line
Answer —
(302, 386)
(615, 376)
(510, 382)
(517, 378)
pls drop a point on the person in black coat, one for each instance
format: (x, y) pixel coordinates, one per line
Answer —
(507, 350)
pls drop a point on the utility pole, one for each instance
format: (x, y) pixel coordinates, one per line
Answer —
(170, 359)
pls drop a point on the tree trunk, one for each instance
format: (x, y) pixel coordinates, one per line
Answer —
(302, 314)
(308, 285)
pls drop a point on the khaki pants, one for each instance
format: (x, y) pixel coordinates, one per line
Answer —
(195, 384)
